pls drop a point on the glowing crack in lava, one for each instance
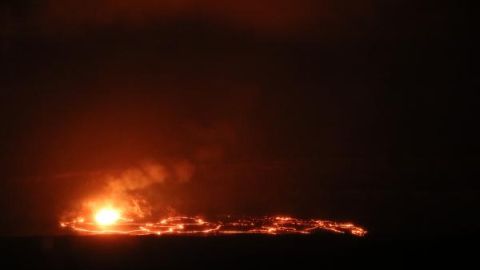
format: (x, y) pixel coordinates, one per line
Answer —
(109, 221)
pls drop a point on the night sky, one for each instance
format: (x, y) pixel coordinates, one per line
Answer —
(362, 111)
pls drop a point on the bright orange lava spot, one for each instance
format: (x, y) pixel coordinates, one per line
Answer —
(107, 216)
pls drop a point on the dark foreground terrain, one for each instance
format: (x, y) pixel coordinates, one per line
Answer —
(237, 252)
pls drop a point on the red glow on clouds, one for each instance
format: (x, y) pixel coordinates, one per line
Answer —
(264, 16)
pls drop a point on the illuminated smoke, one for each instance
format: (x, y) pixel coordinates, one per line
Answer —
(126, 189)
(148, 174)
(137, 178)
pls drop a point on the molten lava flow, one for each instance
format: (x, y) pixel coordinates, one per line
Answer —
(197, 226)
(107, 216)
(119, 208)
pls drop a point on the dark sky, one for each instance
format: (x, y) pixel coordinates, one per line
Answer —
(351, 110)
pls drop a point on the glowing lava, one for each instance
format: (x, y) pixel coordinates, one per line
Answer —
(178, 225)
(107, 216)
